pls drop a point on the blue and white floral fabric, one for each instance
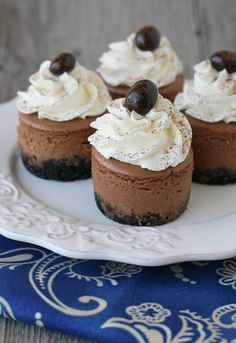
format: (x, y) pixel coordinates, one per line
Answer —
(116, 302)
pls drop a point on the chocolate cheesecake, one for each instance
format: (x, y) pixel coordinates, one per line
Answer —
(55, 116)
(55, 150)
(131, 195)
(144, 55)
(214, 146)
(141, 168)
(209, 104)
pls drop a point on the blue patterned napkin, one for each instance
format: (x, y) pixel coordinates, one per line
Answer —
(116, 302)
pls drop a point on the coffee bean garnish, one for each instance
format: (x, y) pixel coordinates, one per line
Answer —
(224, 60)
(62, 63)
(141, 97)
(147, 38)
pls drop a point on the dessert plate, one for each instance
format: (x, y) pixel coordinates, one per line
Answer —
(63, 217)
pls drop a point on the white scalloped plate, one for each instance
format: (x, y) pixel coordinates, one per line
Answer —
(63, 216)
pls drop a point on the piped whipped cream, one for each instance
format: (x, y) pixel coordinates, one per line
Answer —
(124, 64)
(156, 141)
(210, 96)
(79, 93)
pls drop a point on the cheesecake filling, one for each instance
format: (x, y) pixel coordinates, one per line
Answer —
(156, 141)
(79, 93)
(124, 63)
(210, 96)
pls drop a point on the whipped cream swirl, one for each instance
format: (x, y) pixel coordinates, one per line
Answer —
(156, 141)
(210, 96)
(79, 93)
(124, 64)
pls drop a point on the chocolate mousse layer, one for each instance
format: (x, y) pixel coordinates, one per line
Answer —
(55, 150)
(214, 146)
(132, 195)
(170, 91)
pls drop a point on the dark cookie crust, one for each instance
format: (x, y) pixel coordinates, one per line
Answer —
(149, 219)
(76, 168)
(220, 176)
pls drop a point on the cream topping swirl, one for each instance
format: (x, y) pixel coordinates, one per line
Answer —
(79, 93)
(124, 63)
(156, 141)
(210, 96)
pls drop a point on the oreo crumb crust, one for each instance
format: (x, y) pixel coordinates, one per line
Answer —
(72, 169)
(149, 219)
(219, 176)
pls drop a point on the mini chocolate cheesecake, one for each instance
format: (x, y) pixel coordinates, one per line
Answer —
(214, 146)
(55, 116)
(55, 150)
(141, 169)
(131, 195)
(144, 55)
(208, 102)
